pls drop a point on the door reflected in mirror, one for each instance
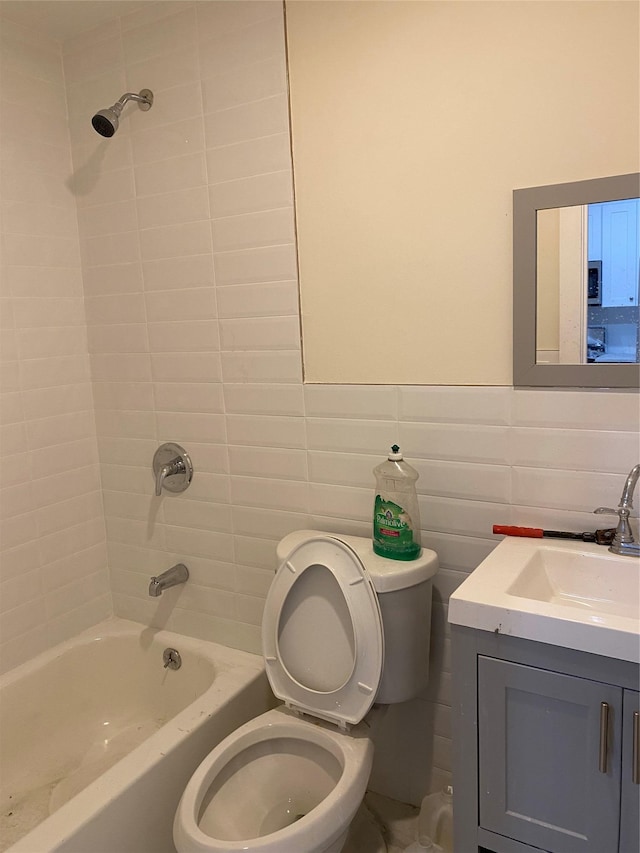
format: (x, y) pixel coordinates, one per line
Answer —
(587, 283)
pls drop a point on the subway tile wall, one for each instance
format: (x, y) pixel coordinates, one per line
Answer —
(188, 262)
(187, 244)
(53, 558)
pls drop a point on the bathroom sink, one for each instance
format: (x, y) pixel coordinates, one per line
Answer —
(598, 583)
(573, 594)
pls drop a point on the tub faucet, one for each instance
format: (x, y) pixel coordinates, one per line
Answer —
(623, 541)
(172, 577)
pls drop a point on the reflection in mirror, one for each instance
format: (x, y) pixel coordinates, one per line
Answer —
(587, 277)
(576, 275)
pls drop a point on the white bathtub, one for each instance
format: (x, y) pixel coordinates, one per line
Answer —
(98, 739)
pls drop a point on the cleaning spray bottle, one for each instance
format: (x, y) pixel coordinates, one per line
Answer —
(435, 821)
(396, 518)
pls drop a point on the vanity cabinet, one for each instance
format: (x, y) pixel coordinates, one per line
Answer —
(545, 752)
(630, 806)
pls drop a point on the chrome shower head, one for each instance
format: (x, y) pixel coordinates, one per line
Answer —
(105, 122)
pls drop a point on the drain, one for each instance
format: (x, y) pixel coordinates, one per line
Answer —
(171, 659)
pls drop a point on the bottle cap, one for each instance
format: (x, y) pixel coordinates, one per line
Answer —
(396, 453)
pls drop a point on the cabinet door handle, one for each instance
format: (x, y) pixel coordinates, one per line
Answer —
(604, 737)
(635, 772)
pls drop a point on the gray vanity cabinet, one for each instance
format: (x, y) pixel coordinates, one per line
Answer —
(539, 745)
(543, 748)
(630, 806)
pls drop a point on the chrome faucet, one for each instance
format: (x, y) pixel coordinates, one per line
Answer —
(623, 541)
(172, 577)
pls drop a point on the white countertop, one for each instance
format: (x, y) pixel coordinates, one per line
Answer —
(572, 594)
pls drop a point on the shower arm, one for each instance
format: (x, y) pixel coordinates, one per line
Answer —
(145, 99)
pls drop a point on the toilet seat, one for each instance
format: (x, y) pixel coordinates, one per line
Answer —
(322, 635)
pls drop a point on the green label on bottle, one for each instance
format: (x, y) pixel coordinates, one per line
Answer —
(393, 531)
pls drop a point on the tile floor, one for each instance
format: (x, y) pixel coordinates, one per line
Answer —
(398, 821)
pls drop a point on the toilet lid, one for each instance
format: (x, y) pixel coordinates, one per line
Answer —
(322, 633)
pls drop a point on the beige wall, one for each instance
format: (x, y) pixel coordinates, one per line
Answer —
(412, 123)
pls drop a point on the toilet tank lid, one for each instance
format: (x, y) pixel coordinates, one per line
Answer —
(386, 575)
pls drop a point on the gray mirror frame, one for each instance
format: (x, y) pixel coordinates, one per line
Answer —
(526, 204)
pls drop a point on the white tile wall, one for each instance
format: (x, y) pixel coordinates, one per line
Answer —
(189, 272)
(53, 558)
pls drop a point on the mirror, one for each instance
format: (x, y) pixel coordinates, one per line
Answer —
(576, 268)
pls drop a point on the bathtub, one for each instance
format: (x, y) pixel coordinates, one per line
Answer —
(98, 738)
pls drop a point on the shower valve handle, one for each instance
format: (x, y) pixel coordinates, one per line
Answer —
(172, 468)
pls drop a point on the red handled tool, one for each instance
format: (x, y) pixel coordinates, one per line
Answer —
(601, 537)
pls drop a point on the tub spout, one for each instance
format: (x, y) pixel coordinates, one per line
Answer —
(172, 577)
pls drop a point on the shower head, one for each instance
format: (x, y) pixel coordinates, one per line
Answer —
(105, 122)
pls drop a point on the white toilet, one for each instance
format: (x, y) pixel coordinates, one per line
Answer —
(342, 628)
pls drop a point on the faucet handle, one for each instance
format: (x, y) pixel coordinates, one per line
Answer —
(172, 468)
(161, 473)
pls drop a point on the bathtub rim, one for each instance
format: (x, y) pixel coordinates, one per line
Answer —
(116, 626)
(234, 671)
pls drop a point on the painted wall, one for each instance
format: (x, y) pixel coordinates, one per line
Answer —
(188, 262)
(412, 124)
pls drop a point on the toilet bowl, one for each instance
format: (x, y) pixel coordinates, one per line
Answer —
(342, 628)
(270, 786)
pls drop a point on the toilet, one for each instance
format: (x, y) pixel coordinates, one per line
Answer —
(343, 628)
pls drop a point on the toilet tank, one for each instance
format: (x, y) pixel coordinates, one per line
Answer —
(404, 592)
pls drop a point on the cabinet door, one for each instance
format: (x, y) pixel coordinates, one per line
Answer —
(542, 781)
(630, 811)
(620, 253)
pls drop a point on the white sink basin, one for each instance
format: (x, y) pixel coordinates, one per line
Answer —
(598, 583)
(577, 595)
